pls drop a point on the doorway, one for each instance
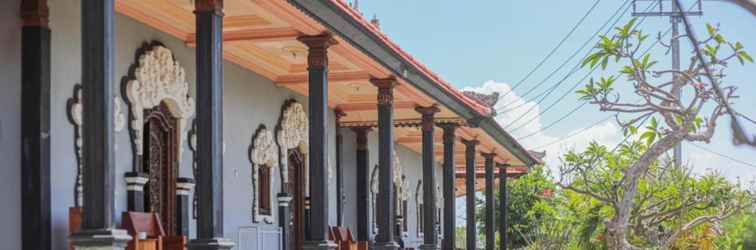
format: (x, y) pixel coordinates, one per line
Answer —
(296, 165)
(160, 164)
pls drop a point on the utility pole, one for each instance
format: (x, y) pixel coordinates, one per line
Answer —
(673, 11)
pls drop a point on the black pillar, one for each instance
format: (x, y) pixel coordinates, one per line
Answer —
(135, 182)
(339, 171)
(503, 206)
(97, 229)
(184, 187)
(489, 193)
(385, 214)
(430, 236)
(209, 22)
(35, 126)
(470, 191)
(284, 219)
(450, 214)
(317, 66)
(363, 183)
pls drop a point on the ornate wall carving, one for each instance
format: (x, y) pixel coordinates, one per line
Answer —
(263, 153)
(292, 133)
(75, 117)
(192, 134)
(158, 78)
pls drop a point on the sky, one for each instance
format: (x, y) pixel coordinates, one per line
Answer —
(489, 45)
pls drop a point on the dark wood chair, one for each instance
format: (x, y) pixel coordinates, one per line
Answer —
(178, 242)
(149, 223)
(74, 222)
(346, 238)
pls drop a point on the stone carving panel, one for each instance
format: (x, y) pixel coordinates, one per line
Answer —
(158, 78)
(292, 133)
(263, 153)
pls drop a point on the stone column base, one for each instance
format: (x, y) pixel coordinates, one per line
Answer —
(210, 244)
(319, 245)
(100, 239)
(384, 246)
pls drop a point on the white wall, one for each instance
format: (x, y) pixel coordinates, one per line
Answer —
(10, 124)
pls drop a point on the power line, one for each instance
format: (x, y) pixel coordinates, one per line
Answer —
(737, 129)
(574, 70)
(570, 91)
(724, 155)
(746, 117)
(586, 43)
(551, 53)
(575, 133)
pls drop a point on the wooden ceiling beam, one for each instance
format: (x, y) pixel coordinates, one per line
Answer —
(367, 106)
(333, 77)
(261, 34)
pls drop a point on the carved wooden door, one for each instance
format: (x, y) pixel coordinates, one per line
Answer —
(160, 162)
(297, 188)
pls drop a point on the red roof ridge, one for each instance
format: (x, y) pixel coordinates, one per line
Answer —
(475, 105)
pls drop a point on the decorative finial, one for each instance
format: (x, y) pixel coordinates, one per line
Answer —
(375, 21)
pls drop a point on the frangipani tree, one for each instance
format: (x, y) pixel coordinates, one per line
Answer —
(693, 117)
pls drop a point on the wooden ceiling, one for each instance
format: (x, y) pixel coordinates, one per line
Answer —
(261, 36)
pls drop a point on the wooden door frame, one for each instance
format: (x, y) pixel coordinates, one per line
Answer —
(296, 165)
(168, 122)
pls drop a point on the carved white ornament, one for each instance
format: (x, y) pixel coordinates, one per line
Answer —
(76, 112)
(264, 150)
(399, 182)
(263, 154)
(159, 79)
(293, 133)
(119, 118)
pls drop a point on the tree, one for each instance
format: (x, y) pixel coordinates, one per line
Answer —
(670, 206)
(680, 119)
(527, 206)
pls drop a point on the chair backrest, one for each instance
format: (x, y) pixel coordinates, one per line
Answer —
(346, 234)
(135, 222)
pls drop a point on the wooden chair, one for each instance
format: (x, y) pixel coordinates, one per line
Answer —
(175, 242)
(346, 239)
(74, 222)
(136, 222)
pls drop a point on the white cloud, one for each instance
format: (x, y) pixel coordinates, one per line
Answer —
(607, 133)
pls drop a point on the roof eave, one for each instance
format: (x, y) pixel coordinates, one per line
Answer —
(330, 15)
(340, 22)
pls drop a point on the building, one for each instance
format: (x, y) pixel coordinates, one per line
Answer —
(252, 124)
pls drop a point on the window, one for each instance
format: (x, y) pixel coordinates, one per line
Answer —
(420, 219)
(263, 173)
(404, 215)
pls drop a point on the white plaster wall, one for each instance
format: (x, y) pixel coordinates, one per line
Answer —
(10, 124)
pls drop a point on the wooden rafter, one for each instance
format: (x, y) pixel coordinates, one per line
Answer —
(260, 34)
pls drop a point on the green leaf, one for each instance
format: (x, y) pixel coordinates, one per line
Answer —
(746, 56)
(710, 28)
(738, 46)
(697, 122)
(604, 62)
(719, 38)
(649, 136)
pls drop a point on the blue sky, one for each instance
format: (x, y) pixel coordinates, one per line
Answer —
(485, 45)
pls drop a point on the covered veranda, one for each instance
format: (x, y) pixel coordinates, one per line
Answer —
(324, 50)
